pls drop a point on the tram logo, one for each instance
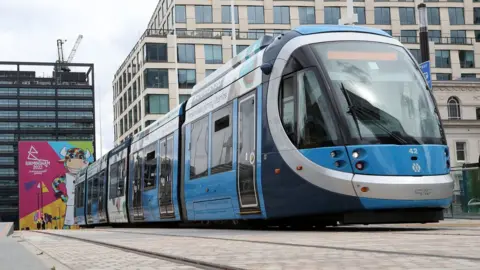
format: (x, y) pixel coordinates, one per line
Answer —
(38, 166)
(416, 167)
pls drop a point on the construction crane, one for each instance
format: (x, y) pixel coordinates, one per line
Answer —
(61, 60)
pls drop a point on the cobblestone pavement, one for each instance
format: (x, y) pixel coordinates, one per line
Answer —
(74, 254)
(449, 245)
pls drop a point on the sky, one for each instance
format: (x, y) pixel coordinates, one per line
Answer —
(29, 30)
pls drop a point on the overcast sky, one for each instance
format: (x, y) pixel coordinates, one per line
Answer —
(29, 30)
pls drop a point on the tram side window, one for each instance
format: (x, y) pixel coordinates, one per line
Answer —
(304, 111)
(122, 175)
(101, 189)
(113, 181)
(199, 149)
(287, 106)
(315, 120)
(82, 195)
(150, 169)
(95, 188)
(222, 148)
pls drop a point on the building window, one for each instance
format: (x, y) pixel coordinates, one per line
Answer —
(186, 53)
(460, 151)
(155, 52)
(453, 108)
(199, 148)
(433, 16)
(255, 34)
(442, 58)
(476, 15)
(203, 14)
(222, 135)
(35, 103)
(281, 15)
(331, 15)
(408, 36)
(37, 92)
(382, 15)
(227, 14)
(38, 114)
(186, 78)
(456, 15)
(183, 98)
(469, 76)
(180, 14)
(458, 36)
(148, 123)
(435, 36)
(8, 91)
(35, 125)
(306, 15)
(478, 113)
(467, 59)
(156, 104)
(407, 15)
(155, 78)
(256, 15)
(416, 54)
(360, 11)
(388, 32)
(444, 76)
(213, 54)
(210, 71)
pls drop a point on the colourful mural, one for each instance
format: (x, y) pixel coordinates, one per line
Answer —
(47, 172)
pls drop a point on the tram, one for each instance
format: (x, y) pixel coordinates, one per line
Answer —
(321, 125)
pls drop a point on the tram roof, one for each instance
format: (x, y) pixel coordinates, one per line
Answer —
(318, 29)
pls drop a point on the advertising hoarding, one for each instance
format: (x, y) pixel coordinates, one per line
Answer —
(47, 171)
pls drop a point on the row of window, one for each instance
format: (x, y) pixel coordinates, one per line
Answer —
(46, 115)
(46, 92)
(306, 15)
(44, 125)
(39, 103)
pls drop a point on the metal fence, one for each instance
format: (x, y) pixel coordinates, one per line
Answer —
(466, 193)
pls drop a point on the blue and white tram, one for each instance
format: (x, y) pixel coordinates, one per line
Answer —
(320, 125)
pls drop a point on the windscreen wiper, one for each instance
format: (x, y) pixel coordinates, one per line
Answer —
(354, 109)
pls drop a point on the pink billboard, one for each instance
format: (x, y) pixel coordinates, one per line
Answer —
(46, 181)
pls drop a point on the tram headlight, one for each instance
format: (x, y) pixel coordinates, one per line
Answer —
(359, 165)
(355, 154)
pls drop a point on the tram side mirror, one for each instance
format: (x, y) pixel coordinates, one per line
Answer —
(266, 68)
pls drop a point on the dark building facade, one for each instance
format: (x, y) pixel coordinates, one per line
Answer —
(59, 106)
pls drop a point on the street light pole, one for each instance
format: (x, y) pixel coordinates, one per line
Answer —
(174, 11)
(234, 35)
(422, 16)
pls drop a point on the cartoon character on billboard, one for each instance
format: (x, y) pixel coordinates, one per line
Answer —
(74, 159)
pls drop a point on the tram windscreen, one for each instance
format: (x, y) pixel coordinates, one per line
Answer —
(382, 93)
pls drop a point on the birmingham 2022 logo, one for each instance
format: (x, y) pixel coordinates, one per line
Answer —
(38, 166)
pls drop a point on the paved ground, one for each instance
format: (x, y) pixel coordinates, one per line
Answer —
(14, 255)
(451, 244)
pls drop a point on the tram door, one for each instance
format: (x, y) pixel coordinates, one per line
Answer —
(166, 178)
(246, 184)
(137, 187)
